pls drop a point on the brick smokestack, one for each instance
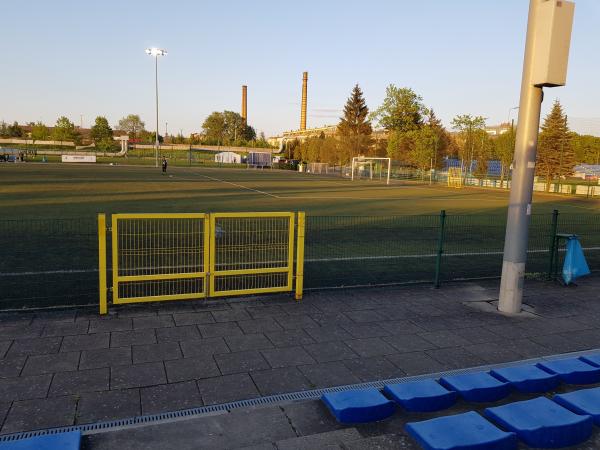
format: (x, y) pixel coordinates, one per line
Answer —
(303, 110)
(245, 103)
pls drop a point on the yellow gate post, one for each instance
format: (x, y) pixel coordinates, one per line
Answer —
(102, 263)
(300, 257)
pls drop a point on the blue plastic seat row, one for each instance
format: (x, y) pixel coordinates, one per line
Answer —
(565, 420)
(60, 441)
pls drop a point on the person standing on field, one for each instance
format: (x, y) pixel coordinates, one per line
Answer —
(164, 165)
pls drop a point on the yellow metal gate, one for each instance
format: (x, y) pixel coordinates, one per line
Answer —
(158, 257)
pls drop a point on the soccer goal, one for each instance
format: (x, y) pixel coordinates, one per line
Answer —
(363, 167)
(318, 168)
(455, 177)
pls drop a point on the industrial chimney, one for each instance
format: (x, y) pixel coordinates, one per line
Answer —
(303, 111)
(245, 104)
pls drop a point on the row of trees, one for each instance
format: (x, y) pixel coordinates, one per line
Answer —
(416, 137)
(229, 128)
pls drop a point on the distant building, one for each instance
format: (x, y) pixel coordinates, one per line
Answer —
(228, 158)
(497, 130)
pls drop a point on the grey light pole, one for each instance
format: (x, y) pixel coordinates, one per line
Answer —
(545, 65)
(156, 52)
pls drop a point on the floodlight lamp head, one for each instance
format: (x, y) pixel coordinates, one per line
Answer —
(156, 52)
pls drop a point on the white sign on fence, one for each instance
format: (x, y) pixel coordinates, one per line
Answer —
(78, 158)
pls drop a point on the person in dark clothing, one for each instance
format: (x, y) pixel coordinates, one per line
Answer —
(164, 165)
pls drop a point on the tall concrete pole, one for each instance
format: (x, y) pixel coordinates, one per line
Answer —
(156, 143)
(245, 104)
(545, 63)
(303, 106)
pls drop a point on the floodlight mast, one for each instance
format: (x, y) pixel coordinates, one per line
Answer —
(155, 53)
(545, 65)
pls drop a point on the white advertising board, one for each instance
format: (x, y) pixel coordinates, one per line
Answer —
(78, 158)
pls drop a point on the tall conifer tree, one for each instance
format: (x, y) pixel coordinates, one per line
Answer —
(355, 128)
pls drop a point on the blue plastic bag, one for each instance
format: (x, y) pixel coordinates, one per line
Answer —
(575, 265)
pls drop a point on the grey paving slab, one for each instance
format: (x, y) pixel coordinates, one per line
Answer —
(60, 362)
(25, 387)
(331, 319)
(191, 369)
(4, 346)
(163, 351)
(203, 348)
(227, 388)
(138, 375)
(153, 322)
(260, 325)
(105, 357)
(278, 381)
(265, 311)
(34, 414)
(133, 337)
(231, 315)
(170, 397)
(405, 343)
(559, 343)
(296, 321)
(444, 338)
(287, 356)
(108, 405)
(370, 347)
(456, 357)
(248, 342)
(367, 330)
(328, 334)
(220, 330)
(328, 374)
(67, 383)
(85, 342)
(384, 442)
(477, 335)
(193, 318)
(320, 440)
(66, 328)
(177, 334)
(330, 351)
(400, 327)
(289, 338)
(363, 316)
(373, 369)
(241, 362)
(20, 332)
(12, 367)
(310, 417)
(35, 346)
(110, 324)
(494, 352)
(416, 363)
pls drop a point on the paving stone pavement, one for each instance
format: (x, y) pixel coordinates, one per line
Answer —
(60, 368)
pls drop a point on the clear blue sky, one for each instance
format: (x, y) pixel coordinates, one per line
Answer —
(87, 58)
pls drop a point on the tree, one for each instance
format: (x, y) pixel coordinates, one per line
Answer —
(504, 150)
(555, 156)
(586, 148)
(15, 130)
(214, 128)
(102, 134)
(442, 141)
(64, 130)
(132, 125)
(354, 128)
(471, 134)
(227, 127)
(39, 132)
(402, 110)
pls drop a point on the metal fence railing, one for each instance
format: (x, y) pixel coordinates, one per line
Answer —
(54, 262)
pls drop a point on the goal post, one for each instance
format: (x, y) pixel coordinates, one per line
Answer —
(455, 177)
(318, 168)
(359, 163)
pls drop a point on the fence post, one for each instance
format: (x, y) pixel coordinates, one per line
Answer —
(554, 229)
(102, 263)
(300, 256)
(440, 250)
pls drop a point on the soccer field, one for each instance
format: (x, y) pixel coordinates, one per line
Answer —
(61, 191)
(357, 233)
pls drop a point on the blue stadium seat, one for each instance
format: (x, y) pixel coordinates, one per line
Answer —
(421, 396)
(572, 371)
(477, 387)
(467, 431)
(361, 406)
(584, 401)
(527, 378)
(59, 441)
(593, 360)
(542, 423)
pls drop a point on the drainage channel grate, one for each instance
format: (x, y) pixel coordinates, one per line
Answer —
(314, 394)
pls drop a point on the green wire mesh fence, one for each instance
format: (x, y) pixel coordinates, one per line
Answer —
(54, 262)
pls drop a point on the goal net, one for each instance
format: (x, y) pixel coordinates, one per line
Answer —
(318, 168)
(455, 177)
(371, 168)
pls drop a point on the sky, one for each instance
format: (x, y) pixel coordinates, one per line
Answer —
(83, 59)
